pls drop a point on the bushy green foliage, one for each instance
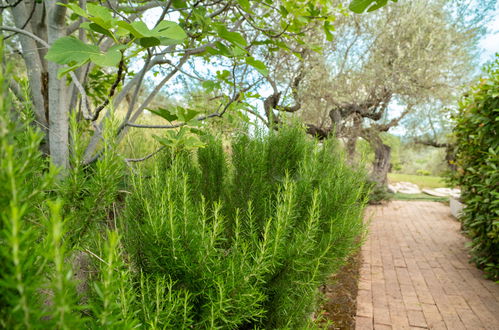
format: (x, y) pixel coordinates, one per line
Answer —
(238, 239)
(24, 176)
(377, 193)
(423, 172)
(255, 256)
(90, 192)
(477, 157)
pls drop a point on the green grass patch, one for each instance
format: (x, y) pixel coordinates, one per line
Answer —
(419, 197)
(421, 180)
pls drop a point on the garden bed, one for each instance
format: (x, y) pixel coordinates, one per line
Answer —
(340, 294)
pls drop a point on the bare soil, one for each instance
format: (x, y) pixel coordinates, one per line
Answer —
(340, 294)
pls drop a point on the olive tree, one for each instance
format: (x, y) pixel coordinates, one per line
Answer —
(403, 57)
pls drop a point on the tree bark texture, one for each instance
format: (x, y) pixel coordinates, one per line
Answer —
(57, 96)
(34, 64)
(381, 164)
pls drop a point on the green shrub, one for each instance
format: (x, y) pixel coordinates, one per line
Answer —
(423, 172)
(213, 164)
(377, 193)
(477, 157)
(206, 240)
(24, 177)
(255, 257)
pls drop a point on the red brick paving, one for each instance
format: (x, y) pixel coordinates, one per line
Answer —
(416, 275)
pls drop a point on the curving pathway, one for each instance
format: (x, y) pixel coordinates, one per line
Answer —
(415, 273)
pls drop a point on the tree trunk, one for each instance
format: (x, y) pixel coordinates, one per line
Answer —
(350, 147)
(57, 96)
(381, 164)
(34, 65)
(382, 156)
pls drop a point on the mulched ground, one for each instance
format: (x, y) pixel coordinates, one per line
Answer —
(340, 294)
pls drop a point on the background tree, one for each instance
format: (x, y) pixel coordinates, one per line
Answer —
(382, 67)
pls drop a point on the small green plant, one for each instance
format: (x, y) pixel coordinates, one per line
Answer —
(377, 193)
(423, 172)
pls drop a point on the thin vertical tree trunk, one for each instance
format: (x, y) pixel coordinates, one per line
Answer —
(57, 96)
(34, 65)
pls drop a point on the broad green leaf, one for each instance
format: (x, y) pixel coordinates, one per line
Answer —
(100, 12)
(164, 140)
(220, 49)
(167, 41)
(258, 65)
(111, 58)
(212, 51)
(245, 5)
(99, 21)
(67, 50)
(233, 37)
(193, 142)
(359, 6)
(120, 31)
(75, 8)
(179, 4)
(164, 113)
(149, 42)
(166, 33)
(66, 69)
(129, 28)
(223, 75)
(284, 12)
(327, 30)
(238, 51)
(210, 85)
(141, 29)
(170, 30)
(186, 114)
(98, 28)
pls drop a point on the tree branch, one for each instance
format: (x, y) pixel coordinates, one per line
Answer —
(112, 90)
(432, 143)
(135, 160)
(10, 5)
(26, 22)
(393, 122)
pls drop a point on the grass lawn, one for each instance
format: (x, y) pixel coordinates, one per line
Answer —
(419, 197)
(421, 180)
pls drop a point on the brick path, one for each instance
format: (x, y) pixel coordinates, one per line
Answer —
(416, 275)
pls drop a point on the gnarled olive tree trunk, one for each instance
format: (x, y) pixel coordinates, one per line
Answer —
(382, 156)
